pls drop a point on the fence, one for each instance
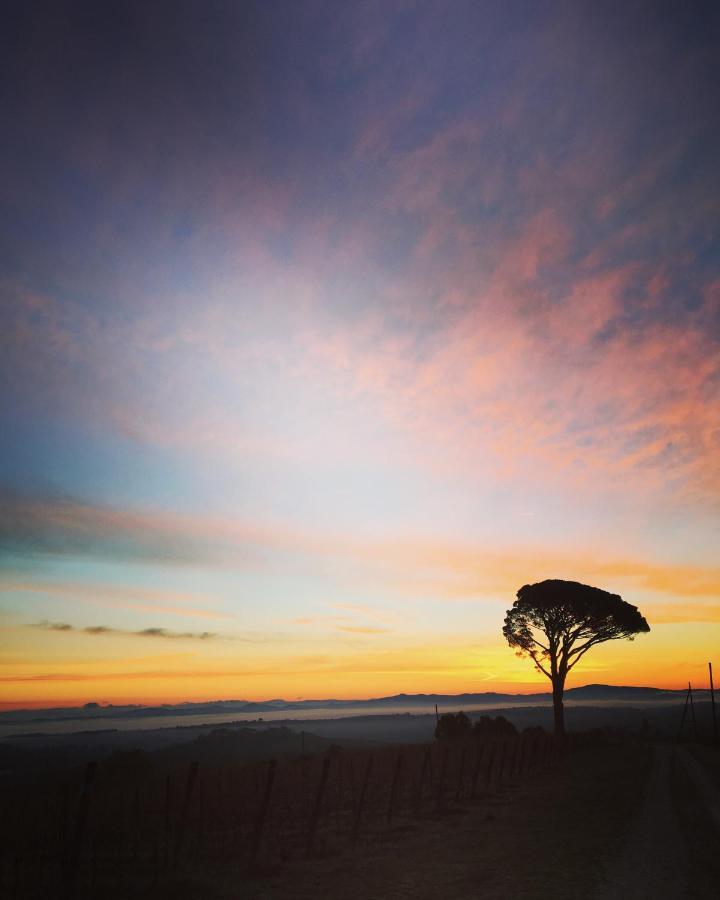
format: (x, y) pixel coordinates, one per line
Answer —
(114, 830)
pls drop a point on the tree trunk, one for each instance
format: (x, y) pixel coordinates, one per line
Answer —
(558, 688)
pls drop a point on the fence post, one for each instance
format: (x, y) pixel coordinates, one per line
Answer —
(361, 798)
(441, 779)
(189, 788)
(549, 752)
(339, 794)
(262, 814)
(166, 847)
(461, 772)
(317, 807)
(531, 759)
(476, 770)
(503, 761)
(712, 702)
(512, 757)
(393, 787)
(684, 714)
(490, 765)
(73, 861)
(421, 782)
(692, 710)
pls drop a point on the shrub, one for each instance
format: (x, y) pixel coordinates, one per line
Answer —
(452, 725)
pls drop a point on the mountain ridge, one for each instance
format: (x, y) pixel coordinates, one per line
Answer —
(92, 710)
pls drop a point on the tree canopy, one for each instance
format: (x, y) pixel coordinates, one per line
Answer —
(452, 725)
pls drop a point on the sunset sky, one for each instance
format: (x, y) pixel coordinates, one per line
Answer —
(327, 326)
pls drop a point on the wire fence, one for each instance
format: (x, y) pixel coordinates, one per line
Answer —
(115, 830)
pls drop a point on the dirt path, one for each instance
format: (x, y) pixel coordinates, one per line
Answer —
(665, 854)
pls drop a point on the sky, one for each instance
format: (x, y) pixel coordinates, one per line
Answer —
(328, 326)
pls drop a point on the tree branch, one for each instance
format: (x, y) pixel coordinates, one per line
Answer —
(582, 653)
(539, 664)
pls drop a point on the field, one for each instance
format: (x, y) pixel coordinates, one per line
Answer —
(524, 816)
(130, 824)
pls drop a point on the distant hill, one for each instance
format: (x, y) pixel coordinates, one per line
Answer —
(246, 709)
(225, 745)
(613, 692)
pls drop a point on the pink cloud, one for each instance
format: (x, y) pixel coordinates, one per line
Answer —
(411, 564)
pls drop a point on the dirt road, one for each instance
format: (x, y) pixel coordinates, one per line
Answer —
(671, 848)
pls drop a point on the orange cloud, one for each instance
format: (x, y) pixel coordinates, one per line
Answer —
(676, 613)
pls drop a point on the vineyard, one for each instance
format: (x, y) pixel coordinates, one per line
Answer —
(116, 829)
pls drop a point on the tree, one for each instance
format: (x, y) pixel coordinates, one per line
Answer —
(499, 727)
(451, 725)
(556, 622)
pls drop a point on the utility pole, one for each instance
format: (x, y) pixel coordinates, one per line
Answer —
(688, 701)
(692, 710)
(712, 701)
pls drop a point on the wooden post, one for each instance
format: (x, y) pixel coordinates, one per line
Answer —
(317, 808)
(712, 702)
(476, 770)
(441, 779)
(189, 788)
(490, 765)
(75, 854)
(532, 755)
(684, 715)
(353, 789)
(502, 762)
(522, 756)
(393, 787)
(339, 794)
(361, 798)
(136, 823)
(538, 754)
(692, 712)
(262, 814)
(166, 848)
(512, 761)
(421, 781)
(461, 772)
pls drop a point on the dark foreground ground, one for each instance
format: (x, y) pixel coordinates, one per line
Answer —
(628, 820)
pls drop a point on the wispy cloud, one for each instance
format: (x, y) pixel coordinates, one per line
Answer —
(143, 632)
(450, 569)
(363, 629)
(339, 623)
(369, 314)
(678, 613)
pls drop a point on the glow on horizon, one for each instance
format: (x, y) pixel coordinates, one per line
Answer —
(308, 368)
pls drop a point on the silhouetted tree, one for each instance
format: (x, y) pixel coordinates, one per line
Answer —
(536, 730)
(499, 727)
(556, 622)
(452, 725)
